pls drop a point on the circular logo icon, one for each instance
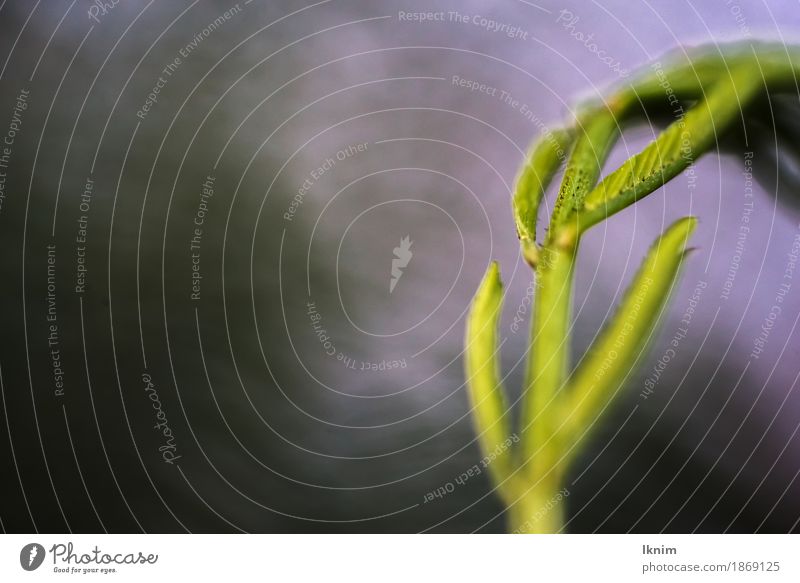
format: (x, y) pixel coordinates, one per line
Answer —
(31, 556)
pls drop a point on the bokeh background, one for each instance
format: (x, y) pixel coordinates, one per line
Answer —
(278, 426)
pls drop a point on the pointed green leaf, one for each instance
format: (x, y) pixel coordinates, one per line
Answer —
(679, 77)
(685, 77)
(617, 352)
(596, 135)
(487, 397)
(673, 151)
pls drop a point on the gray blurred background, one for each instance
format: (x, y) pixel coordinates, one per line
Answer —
(342, 417)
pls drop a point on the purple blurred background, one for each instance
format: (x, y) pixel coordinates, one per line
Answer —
(330, 132)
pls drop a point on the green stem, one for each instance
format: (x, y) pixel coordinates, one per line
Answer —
(549, 357)
(548, 361)
(724, 83)
(540, 510)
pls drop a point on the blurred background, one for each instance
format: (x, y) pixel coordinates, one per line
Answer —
(202, 206)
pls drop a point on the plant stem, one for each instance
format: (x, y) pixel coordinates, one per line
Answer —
(540, 510)
(556, 416)
(548, 360)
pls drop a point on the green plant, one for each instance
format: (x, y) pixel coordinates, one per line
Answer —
(707, 92)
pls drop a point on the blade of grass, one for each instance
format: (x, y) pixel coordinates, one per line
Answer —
(597, 134)
(672, 152)
(617, 352)
(486, 393)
